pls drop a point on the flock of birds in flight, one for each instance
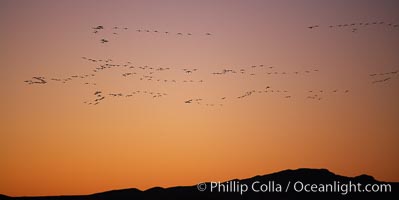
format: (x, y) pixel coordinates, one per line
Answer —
(354, 27)
(156, 74)
(116, 31)
(384, 77)
(100, 96)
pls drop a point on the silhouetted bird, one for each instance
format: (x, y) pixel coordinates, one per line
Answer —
(312, 27)
(98, 27)
(40, 80)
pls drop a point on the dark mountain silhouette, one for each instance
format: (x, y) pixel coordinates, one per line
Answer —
(271, 181)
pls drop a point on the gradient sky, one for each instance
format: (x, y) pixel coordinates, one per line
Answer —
(51, 143)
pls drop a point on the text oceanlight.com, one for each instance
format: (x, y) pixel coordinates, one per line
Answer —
(297, 186)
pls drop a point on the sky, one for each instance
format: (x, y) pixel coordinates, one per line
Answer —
(275, 88)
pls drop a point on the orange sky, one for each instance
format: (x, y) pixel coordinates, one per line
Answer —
(51, 143)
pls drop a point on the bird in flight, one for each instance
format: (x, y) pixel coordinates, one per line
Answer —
(311, 27)
(188, 71)
(103, 41)
(98, 27)
(39, 80)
